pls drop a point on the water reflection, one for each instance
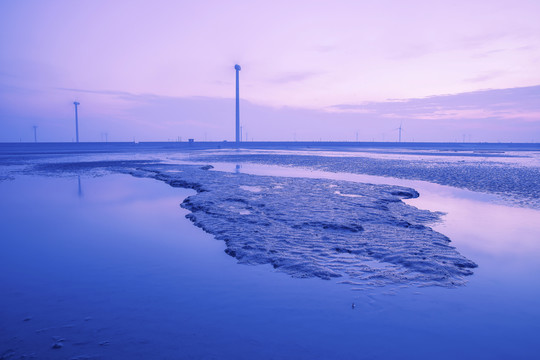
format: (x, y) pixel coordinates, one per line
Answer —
(476, 222)
(79, 192)
(137, 260)
(485, 228)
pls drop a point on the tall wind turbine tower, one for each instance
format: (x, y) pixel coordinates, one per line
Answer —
(237, 68)
(76, 121)
(399, 132)
(35, 133)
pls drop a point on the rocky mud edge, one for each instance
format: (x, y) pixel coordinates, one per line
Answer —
(306, 228)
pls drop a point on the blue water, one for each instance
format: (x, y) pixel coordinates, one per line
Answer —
(109, 268)
(86, 147)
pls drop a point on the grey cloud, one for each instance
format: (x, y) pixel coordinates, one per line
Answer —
(522, 99)
(98, 92)
(486, 76)
(154, 117)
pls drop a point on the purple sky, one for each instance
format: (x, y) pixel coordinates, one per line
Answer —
(157, 70)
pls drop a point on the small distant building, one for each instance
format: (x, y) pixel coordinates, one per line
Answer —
(191, 140)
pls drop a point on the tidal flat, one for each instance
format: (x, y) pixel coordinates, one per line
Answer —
(312, 255)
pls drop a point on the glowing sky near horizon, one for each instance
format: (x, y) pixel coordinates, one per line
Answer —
(313, 55)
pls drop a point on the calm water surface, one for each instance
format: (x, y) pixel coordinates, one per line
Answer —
(111, 266)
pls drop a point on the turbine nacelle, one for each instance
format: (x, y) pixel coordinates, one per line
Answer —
(76, 103)
(237, 67)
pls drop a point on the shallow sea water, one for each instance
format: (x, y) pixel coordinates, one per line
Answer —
(111, 269)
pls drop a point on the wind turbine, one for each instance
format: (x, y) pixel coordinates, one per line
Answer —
(399, 128)
(76, 120)
(237, 68)
(35, 133)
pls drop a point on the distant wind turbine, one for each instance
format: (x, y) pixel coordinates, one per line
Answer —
(400, 129)
(238, 136)
(76, 121)
(35, 133)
